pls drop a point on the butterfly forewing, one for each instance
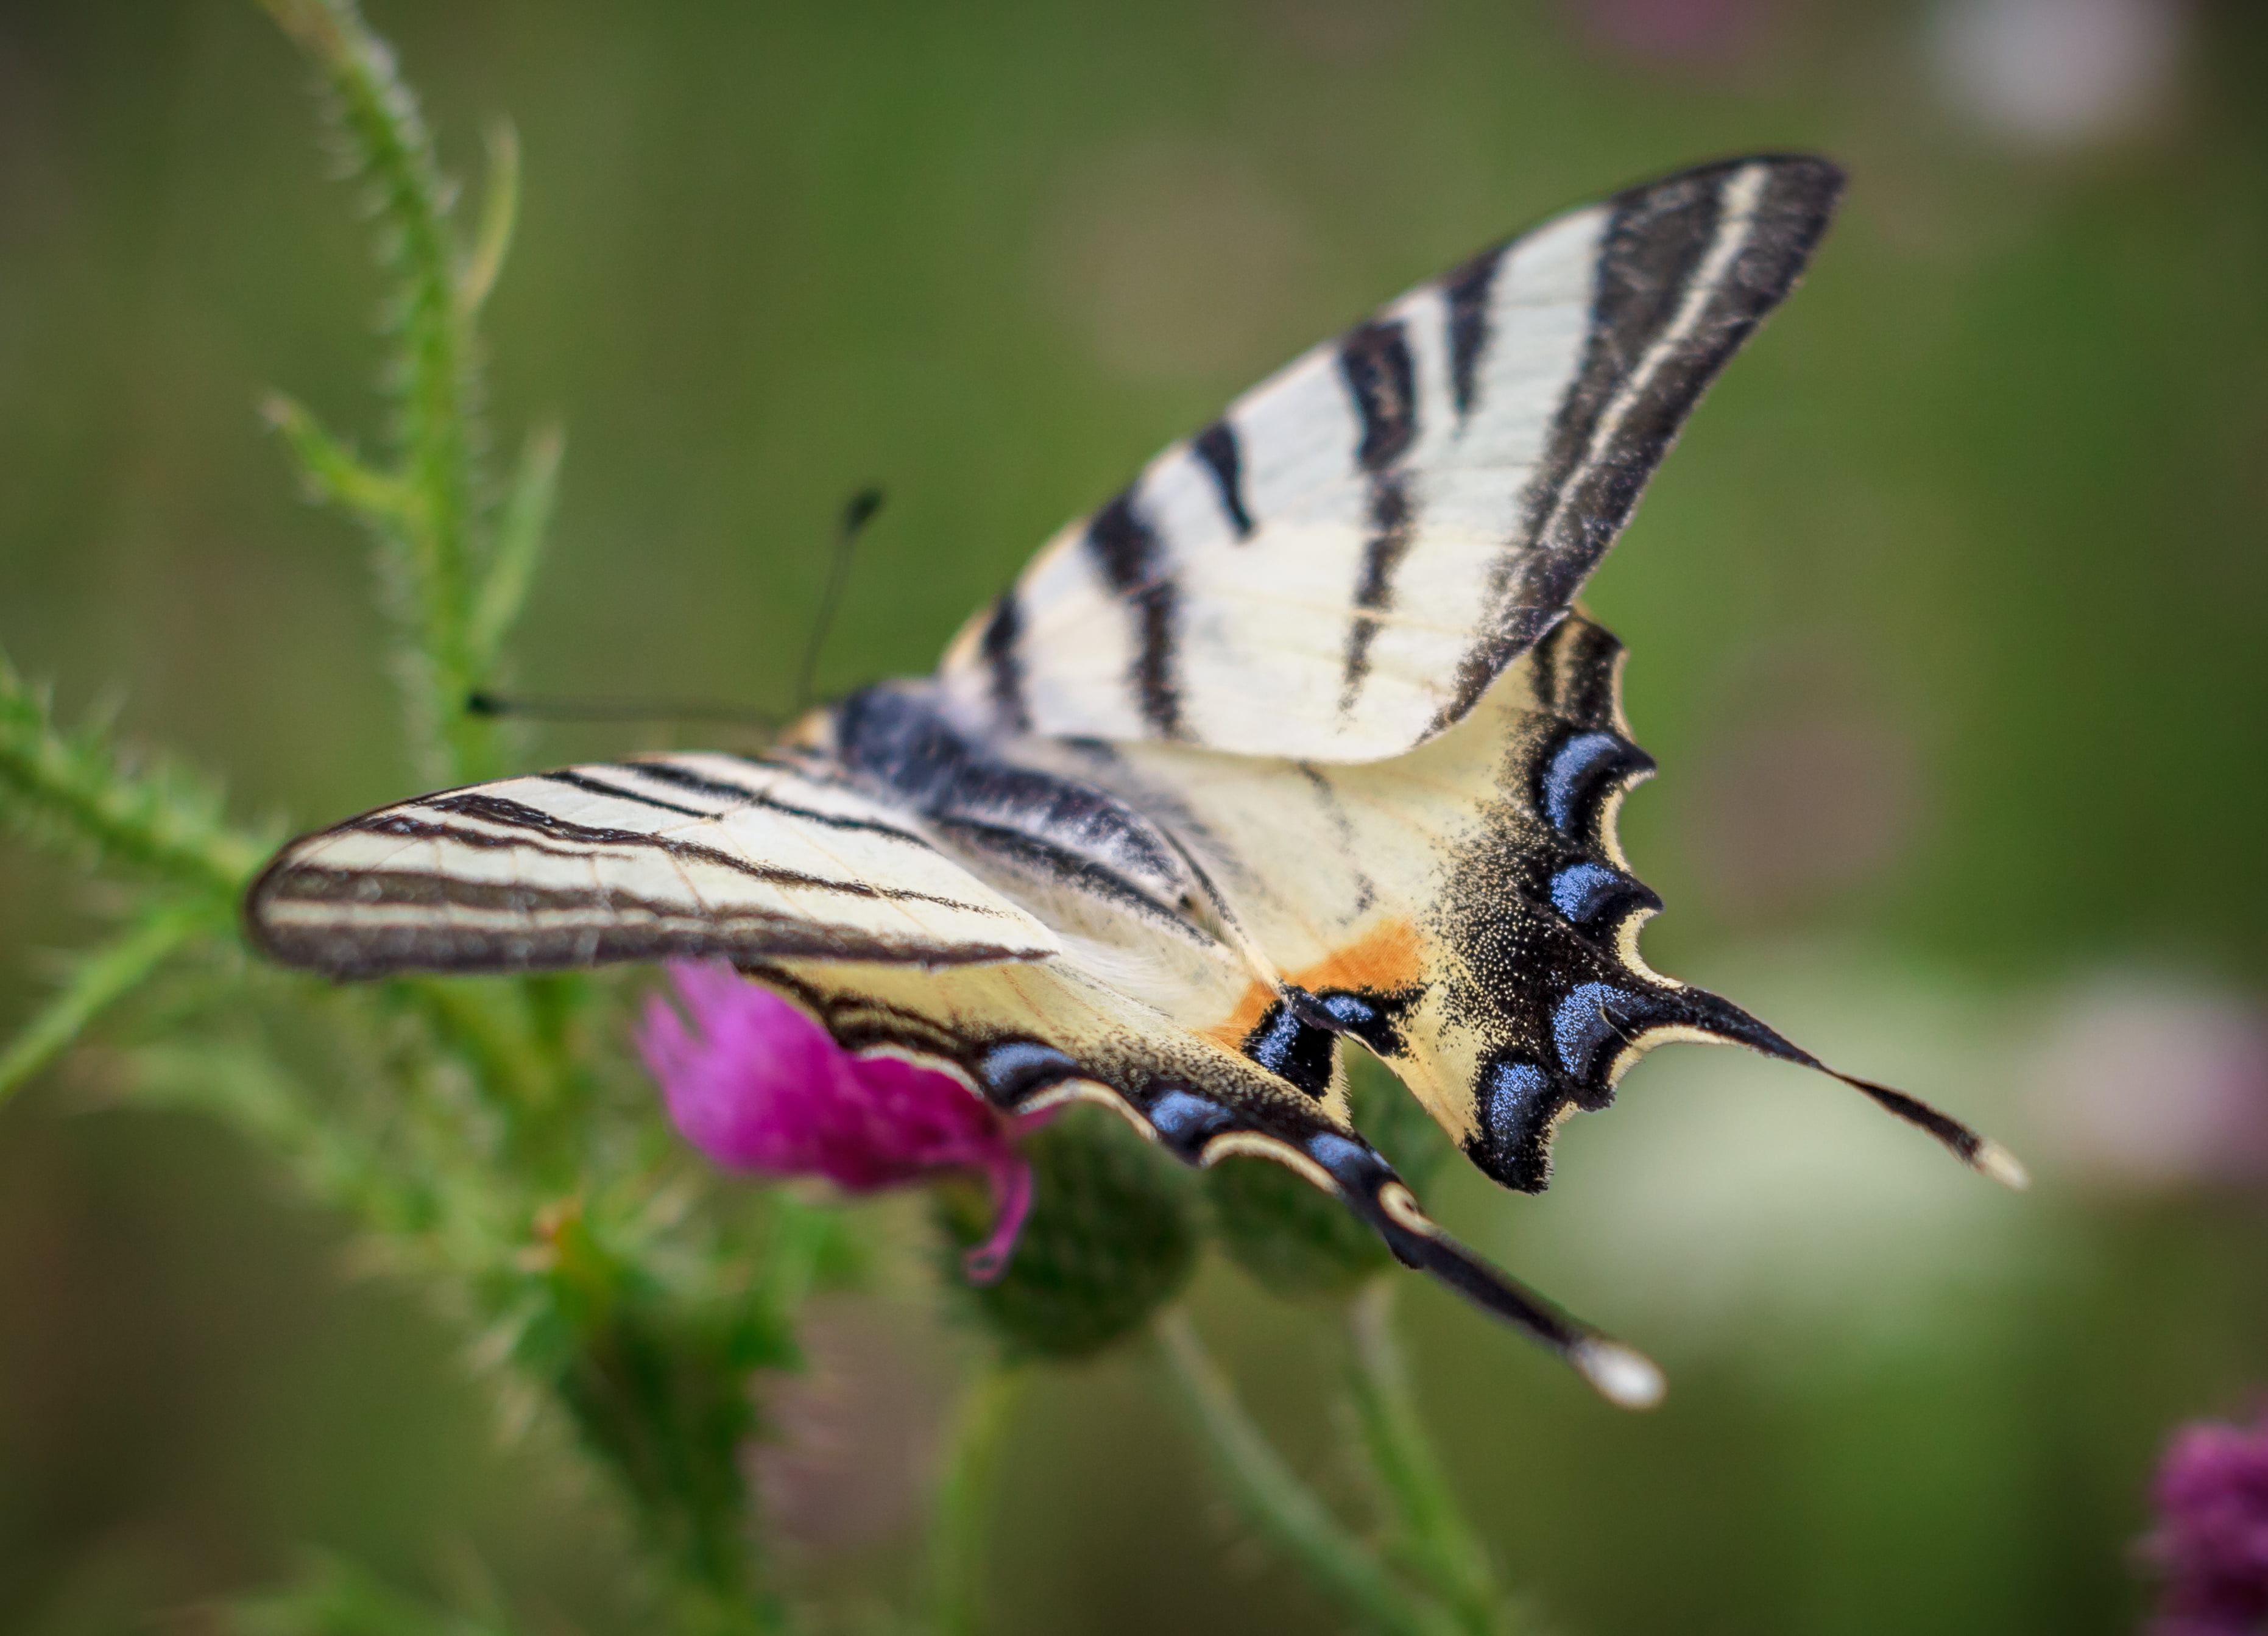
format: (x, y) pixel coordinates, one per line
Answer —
(1337, 567)
(690, 855)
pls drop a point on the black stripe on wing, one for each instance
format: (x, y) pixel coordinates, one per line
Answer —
(1687, 269)
(1216, 447)
(480, 880)
(477, 926)
(1052, 830)
(593, 838)
(736, 796)
(615, 791)
(1003, 662)
(1382, 378)
(1466, 293)
(1392, 523)
(1049, 863)
(1132, 561)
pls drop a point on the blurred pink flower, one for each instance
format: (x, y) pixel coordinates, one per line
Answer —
(2152, 1083)
(1693, 30)
(756, 1083)
(2060, 73)
(2212, 1537)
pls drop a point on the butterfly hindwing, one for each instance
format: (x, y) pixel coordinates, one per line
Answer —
(679, 855)
(1027, 1037)
(1337, 567)
(1463, 910)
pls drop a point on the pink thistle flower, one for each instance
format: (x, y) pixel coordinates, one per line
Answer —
(756, 1083)
(2212, 1537)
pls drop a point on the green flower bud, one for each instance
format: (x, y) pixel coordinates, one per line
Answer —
(1297, 1241)
(1111, 1239)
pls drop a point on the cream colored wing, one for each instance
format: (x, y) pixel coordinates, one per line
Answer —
(1464, 910)
(1027, 1037)
(1337, 567)
(1158, 1004)
(693, 854)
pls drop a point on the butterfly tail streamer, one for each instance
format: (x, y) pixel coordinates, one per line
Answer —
(1980, 1153)
(1368, 1185)
(1722, 1020)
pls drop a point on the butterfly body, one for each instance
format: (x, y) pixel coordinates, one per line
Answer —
(1296, 740)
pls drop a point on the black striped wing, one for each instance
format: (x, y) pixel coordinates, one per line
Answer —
(679, 855)
(1337, 567)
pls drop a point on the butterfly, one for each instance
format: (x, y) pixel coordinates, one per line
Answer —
(1297, 739)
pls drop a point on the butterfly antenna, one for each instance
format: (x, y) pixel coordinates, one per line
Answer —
(496, 705)
(858, 511)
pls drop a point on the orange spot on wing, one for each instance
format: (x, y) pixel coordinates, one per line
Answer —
(1382, 960)
(1250, 1007)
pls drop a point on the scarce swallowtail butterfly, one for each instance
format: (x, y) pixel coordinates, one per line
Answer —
(1297, 738)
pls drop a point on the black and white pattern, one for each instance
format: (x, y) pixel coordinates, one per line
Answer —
(1337, 567)
(1296, 740)
(682, 855)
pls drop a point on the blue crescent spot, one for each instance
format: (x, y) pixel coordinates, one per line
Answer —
(1580, 1025)
(1511, 1091)
(1580, 890)
(1015, 1066)
(1272, 1049)
(1567, 775)
(1178, 1115)
(1352, 1166)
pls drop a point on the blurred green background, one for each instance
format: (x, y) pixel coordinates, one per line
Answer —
(1949, 626)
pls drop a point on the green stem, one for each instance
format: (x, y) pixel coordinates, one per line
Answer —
(658, 1383)
(73, 784)
(335, 1161)
(519, 537)
(965, 1499)
(434, 525)
(104, 977)
(473, 1022)
(1282, 1507)
(499, 214)
(1432, 1539)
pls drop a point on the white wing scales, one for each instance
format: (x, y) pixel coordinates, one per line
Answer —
(1336, 568)
(682, 855)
